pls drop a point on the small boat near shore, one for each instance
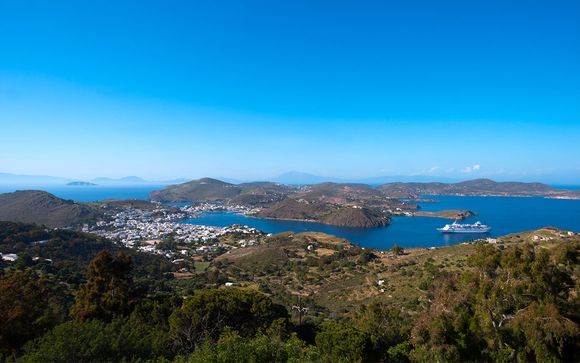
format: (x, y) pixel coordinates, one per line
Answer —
(455, 227)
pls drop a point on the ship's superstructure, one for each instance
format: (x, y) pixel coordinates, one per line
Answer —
(477, 227)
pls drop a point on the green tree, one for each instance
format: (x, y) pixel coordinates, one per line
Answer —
(207, 313)
(108, 290)
(384, 325)
(517, 304)
(231, 347)
(28, 308)
(339, 342)
(122, 339)
(366, 256)
(447, 331)
(397, 250)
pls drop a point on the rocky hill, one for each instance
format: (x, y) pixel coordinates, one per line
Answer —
(213, 190)
(339, 193)
(262, 193)
(348, 205)
(290, 208)
(35, 206)
(355, 217)
(206, 190)
(333, 214)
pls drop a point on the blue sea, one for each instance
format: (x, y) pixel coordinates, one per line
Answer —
(504, 214)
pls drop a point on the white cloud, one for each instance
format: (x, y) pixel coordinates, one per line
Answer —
(472, 168)
(433, 169)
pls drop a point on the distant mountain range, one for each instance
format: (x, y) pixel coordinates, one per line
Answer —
(289, 178)
(292, 178)
(300, 178)
(13, 179)
(212, 190)
(41, 180)
(134, 180)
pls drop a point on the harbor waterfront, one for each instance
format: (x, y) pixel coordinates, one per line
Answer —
(504, 214)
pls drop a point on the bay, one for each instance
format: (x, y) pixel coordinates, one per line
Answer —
(504, 214)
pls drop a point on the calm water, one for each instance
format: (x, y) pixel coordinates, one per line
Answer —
(505, 215)
(91, 193)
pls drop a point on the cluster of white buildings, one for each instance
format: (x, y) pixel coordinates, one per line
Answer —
(217, 207)
(144, 229)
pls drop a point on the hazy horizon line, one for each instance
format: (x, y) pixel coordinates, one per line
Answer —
(286, 175)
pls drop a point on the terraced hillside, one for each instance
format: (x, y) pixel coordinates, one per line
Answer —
(336, 277)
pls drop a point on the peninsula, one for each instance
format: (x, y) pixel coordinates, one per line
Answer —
(477, 187)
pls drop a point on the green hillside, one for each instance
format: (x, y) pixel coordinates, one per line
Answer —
(35, 206)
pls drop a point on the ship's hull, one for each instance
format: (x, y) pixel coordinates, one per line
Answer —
(483, 230)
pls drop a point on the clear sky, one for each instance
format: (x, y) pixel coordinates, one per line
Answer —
(252, 89)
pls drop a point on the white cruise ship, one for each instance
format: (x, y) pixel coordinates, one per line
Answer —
(477, 227)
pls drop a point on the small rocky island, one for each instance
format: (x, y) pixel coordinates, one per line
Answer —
(80, 184)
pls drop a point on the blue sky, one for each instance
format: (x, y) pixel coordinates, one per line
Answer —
(253, 89)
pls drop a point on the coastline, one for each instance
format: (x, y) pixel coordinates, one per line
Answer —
(315, 221)
(563, 197)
